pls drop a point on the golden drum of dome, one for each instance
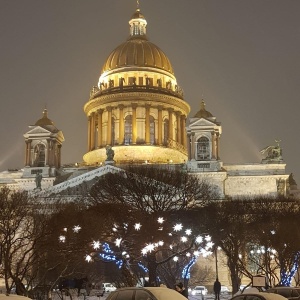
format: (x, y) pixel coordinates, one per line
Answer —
(137, 52)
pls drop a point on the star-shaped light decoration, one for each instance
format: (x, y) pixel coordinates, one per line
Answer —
(96, 245)
(177, 227)
(184, 239)
(88, 258)
(188, 232)
(76, 228)
(137, 226)
(160, 220)
(199, 239)
(118, 242)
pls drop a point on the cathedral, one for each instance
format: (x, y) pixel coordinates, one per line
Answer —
(137, 114)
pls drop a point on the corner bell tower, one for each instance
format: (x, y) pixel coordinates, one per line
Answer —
(204, 142)
(43, 148)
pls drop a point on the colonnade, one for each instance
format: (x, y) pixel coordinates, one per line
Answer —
(96, 120)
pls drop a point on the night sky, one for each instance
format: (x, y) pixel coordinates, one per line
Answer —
(240, 56)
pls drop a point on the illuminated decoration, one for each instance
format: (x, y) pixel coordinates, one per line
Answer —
(199, 239)
(143, 267)
(160, 220)
(96, 245)
(186, 270)
(137, 226)
(188, 232)
(65, 229)
(109, 256)
(184, 239)
(62, 238)
(118, 242)
(178, 227)
(76, 228)
(88, 258)
(175, 258)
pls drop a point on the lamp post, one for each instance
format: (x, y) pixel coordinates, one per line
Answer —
(216, 256)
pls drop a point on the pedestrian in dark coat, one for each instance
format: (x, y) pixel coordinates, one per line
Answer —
(217, 289)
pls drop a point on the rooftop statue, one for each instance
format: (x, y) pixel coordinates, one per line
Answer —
(273, 153)
(110, 153)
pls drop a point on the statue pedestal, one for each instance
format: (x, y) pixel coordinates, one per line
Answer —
(110, 162)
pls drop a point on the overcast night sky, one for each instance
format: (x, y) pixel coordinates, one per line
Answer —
(240, 56)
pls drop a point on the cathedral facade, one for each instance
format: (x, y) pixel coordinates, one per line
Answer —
(138, 110)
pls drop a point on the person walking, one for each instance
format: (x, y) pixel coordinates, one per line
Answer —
(181, 289)
(217, 289)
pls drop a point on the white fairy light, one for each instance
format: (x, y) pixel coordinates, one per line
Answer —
(118, 242)
(208, 238)
(199, 239)
(160, 220)
(177, 227)
(137, 226)
(188, 232)
(183, 239)
(88, 258)
(188, 254)
(96, 245)
(196, 253)
(65, 229)
(62, 238)
(160, 243)
(175, 258)
(76, 228)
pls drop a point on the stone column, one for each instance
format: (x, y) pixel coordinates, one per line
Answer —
(121, 124)
(93, 131)
(217, 145)
(170, 123)
(99, 138)
(160, 125)
(189, 146)
(178, 114)
(213, 145)
(134, 124)
(147, 124)
(109, 110)
(27, 153)
(193, 146)
(47, 162)
(89, 132)
(183, 132)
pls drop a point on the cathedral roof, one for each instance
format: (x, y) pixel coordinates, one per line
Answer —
(44, 121)
(203, 113)
(137, 51)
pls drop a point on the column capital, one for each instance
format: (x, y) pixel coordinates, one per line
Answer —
(100, 111)
(134, 105)
(160, 107)
(121, 106)
(108, 108)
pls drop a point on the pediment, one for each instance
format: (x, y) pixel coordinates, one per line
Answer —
(196, 123)
(37, 130)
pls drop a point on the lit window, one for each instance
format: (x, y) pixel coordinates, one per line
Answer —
(203, 149)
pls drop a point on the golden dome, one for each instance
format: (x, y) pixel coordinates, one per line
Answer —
(44, 121)
(137, 51)
(203, 113)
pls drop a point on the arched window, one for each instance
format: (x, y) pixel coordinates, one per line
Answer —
(39, 155)
(128, 130)
(166, 131)
(203, 149)
(152, 130)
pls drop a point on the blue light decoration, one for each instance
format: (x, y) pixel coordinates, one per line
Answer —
(145, 269)
(285, 276)
(186, 270)
(109, 256)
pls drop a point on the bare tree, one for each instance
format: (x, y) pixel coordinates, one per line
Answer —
(149, 193)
